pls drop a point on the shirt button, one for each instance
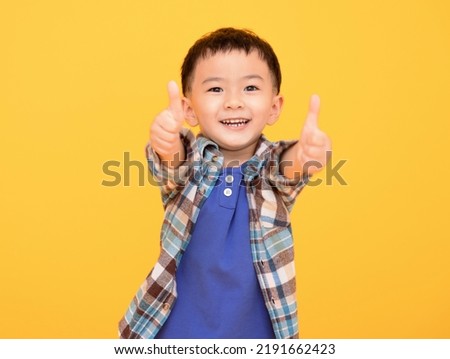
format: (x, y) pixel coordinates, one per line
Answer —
(166, 307)
(215, 158)
(229, 179)
(227, 192)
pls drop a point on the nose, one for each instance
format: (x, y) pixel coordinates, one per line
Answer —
(233, 101)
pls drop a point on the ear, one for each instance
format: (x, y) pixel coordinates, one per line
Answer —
(275, 111)
(189, 113)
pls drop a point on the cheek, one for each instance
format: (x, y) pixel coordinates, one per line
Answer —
(207, 106)
(259, 106)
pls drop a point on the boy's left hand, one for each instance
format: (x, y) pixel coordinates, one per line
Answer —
(314, 144)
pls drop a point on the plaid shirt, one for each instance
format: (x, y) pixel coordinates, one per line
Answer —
(184, 190)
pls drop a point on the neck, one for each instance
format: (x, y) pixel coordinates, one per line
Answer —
(237, 158)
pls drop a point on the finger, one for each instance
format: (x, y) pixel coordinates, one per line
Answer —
(159, 132)
(168, 122)
(313, 112)
(165, 122)
(175, 105)
(314, 152)
(315, 138)
(161, 146)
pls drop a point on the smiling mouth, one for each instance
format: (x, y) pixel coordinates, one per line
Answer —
(238, 122)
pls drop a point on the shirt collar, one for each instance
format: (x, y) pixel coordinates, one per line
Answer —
(208, 151)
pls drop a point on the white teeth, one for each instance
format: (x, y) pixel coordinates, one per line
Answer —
(234, 122)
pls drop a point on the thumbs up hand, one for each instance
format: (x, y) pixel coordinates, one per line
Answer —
(314, 143)
(166, 128)
(309, 155)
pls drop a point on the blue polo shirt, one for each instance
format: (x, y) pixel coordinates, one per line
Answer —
(218, 292)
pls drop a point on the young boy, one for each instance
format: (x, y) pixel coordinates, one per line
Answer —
(226, 268)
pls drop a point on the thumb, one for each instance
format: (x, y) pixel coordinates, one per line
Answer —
(313, 112)
(175, 105)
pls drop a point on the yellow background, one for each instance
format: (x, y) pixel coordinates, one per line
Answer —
(80, 83)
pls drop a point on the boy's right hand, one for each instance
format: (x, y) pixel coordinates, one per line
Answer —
(166, 128)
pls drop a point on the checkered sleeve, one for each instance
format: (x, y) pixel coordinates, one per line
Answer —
(171, 180)
(287, 188)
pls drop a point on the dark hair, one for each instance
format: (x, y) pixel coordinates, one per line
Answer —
(226, 40)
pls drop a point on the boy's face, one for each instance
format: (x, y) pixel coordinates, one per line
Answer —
(232, 98)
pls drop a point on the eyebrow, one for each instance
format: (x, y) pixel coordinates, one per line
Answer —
(248, 77)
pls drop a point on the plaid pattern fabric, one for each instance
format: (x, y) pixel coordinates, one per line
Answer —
(270, 197)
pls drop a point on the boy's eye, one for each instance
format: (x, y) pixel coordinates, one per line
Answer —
(251, 88)
(215, 89)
